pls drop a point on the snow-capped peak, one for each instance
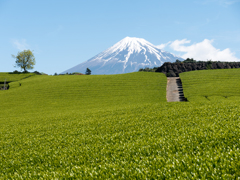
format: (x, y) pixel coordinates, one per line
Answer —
(128, 55)
(132, 44)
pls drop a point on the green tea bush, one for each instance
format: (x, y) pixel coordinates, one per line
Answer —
(206, 85)
(50, 93)
(151, 141)
(114, 127)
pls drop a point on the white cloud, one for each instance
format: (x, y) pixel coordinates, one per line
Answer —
(20, 45)
(202, 51)
(162, 46)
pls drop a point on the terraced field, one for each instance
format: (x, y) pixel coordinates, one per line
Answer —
(114, 127)
(211, 85)
(83, 93)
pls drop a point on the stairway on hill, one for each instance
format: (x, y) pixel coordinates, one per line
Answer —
(175, 90)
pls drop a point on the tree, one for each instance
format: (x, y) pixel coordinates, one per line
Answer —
(189, 60)
(88, 72)
(209, 64)
(25, 60)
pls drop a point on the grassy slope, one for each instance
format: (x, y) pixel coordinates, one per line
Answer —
(212, 85)
(46, 94)
(109, 134)
(13, 77)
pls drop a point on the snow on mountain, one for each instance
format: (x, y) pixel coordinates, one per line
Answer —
(128, 55)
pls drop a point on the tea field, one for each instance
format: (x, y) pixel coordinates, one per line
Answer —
(13, 77)
(45, 94)
(211, 85)
(114, 127)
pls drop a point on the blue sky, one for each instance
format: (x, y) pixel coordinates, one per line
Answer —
(63, 34)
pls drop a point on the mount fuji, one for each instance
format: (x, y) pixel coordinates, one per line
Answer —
(128, 55)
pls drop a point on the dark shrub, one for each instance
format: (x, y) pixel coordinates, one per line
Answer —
(38, 73)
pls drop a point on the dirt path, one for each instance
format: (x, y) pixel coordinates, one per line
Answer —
(174, 89)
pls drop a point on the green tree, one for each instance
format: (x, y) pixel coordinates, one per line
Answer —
(88, 72)
(25, 60)
(209, 64)
(189, 60)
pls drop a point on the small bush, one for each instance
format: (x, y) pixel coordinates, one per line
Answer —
(15, 72)
(36, 72)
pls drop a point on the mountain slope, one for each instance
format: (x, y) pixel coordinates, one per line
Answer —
(128, 55)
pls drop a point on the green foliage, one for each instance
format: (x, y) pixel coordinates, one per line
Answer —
(114, 127)
(151, 141)
(189, 60)
(204, 85)
(62, 93)
(15, 72)
(25, 60)
(38, 73)
(88, 71)
(209, 64)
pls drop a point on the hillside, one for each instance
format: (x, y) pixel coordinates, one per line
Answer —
(174, 69)
(116, 127)
(8, 77)
(211, 85)
(50, 93)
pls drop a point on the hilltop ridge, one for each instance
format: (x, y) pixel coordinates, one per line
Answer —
(174, 69)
